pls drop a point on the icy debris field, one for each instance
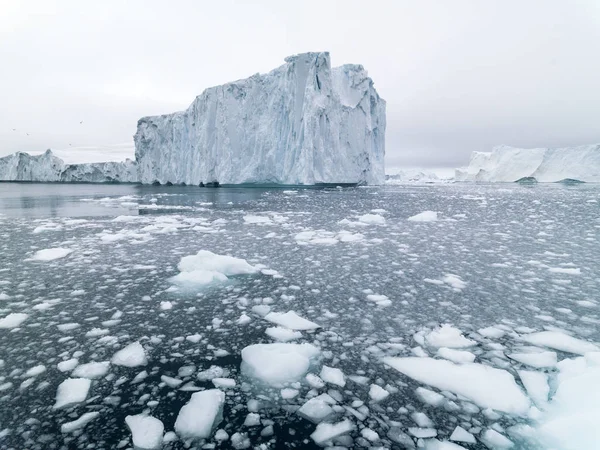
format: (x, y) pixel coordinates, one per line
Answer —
(438, 317)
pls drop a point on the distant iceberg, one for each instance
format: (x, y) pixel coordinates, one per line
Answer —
(508, 164)
(49, 168)
(414, 176)
(302, 123)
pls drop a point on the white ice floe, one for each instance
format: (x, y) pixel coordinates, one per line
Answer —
(536, 385)
(372, 219)
(560, 341)
(200, 415)
(448, 336)
(283, 334)
(333, 375)
(494, 440)
(146, 431)
(207, 267)
(50, 254)
(316, 410)
(377, 393)
(425, 216)
(92, 370)
(223, 382)
(68, 365)
(71, 391)
(565, 270)
(491, 332)
(457, 356)
(454, 281)
(326, 432)
(35, 371)
(278, 363)
(260, 220)
(291, 321)
(461, 435)
(486, 386)
(379, 299)
(572, 416)
(13, 320)
(538, 360)
(435, 444)
(80, 423)
(132, 355)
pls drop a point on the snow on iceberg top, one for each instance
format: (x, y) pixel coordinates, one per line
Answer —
(508, 164)
(301, 123)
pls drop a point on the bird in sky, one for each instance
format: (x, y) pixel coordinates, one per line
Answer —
(80, 122)
(14, 129)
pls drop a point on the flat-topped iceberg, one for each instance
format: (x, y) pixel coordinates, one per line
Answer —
(302, 123)
(47, 167)
(508, 164)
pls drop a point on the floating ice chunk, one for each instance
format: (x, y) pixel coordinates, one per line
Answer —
(91, 370)
(493, 439)
(369, 434)
(491, 332)
(223, 382)
(64, 327)
(86, 418)
(448, 336)
(316, 410)
(326, 432)
(333, 375)
(291, 320)
(423, 433)
(35, 371)
(457, 356)
(170, 381)
(377, 393)
(422, 420)
(288, 393)
(536, 385)
(425, 216)
(372, 219)
(283, 334)
(71, 391)
(252, 420)
(314, 381)
(486, 386)
(68, 365)
(560, 341)
(202, 413)
(278, 363)
(244, 319)
(430, 397)
(50, 254)
(165, 306)
(379, 299)
(13, 320)
(565, 270)
(537, 360)
(434, 444)
(206, 267)
(571, 420)
(454, 281)
(461, 435)
(211, 373)
(147, 432)
(132, 355)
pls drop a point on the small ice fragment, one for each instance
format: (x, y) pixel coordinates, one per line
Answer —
(132, 355)
(92, 370)
(146, 431)
(291, 321)
(79, 423)
(326, 432)
(333, 375)
(200, 414)
(71, 391)
(377, 393)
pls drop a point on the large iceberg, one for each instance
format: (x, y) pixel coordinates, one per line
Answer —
(302, 123)
(49, 168)
(507, 164)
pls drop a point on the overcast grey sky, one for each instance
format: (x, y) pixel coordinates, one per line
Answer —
(457, 76)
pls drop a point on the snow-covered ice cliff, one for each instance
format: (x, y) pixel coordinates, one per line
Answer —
(507, 164)
(302, 123)
(47, 167)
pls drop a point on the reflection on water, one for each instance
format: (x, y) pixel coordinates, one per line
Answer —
(85, 200)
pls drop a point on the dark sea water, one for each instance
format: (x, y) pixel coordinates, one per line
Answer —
(325, 251)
